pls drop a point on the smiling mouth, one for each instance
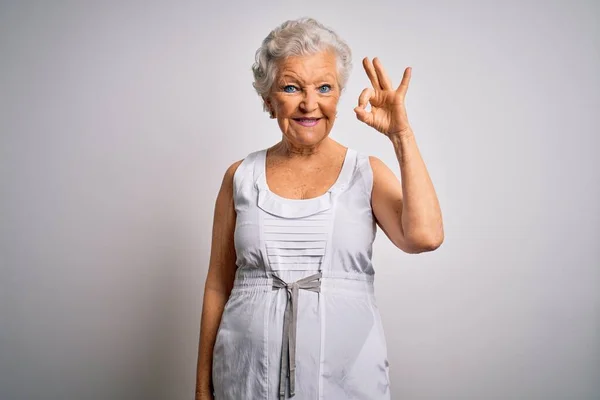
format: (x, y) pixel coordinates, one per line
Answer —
(307, 121)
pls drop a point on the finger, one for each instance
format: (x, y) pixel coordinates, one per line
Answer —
(371, 73)
(403, 87)
(384, 79)
(365, 96)
(363, 115)
(382, 76)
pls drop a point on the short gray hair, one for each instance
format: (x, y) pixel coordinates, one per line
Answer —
(300, 37)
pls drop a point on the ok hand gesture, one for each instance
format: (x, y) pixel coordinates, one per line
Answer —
(388, 113)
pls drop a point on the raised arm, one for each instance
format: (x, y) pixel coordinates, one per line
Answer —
(219, 282)
(409, 212)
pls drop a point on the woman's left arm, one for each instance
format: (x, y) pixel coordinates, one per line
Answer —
(408, 212)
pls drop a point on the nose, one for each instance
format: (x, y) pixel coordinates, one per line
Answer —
(309, 101)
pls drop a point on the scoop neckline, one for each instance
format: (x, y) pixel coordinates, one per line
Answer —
(331, 188)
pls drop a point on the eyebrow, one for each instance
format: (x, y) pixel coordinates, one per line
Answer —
(327, 77)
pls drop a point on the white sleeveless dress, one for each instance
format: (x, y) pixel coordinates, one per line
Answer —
(301, 321)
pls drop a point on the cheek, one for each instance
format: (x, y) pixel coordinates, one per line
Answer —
(330, 107)
(285, 106)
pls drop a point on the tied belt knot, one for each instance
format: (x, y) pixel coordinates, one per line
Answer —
(290, 320)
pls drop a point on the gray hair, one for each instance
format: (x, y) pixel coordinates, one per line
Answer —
(300, 37)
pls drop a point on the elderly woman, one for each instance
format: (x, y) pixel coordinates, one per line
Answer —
(289, 309)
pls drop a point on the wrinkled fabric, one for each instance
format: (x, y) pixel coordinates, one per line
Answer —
(302, 321)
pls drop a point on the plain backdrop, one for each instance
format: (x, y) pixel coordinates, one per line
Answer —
(119, 118)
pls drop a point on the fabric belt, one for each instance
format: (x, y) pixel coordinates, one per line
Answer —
(290, 320)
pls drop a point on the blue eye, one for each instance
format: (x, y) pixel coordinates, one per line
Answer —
(325, 89)
(289, 88)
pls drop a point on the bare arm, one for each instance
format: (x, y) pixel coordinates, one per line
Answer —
(219, 281)
(408, 212)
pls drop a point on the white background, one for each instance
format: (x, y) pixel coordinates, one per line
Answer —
(118, 120)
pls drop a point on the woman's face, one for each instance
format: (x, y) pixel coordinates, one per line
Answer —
(304, 97)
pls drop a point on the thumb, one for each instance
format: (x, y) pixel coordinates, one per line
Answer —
(363, 115)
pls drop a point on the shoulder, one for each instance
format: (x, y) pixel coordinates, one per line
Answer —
(239, 177)
(228, 184)
(371, 166)
(238, 166)
(386, 184)
(380, 170)
(232, 169)
(376, 164)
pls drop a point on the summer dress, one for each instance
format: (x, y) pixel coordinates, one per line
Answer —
(302, 321)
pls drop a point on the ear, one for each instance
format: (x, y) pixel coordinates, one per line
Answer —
(268, 103)
(269, 106)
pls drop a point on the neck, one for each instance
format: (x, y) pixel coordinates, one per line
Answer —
(291, 150)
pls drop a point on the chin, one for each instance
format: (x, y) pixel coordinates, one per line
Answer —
(307, 138)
